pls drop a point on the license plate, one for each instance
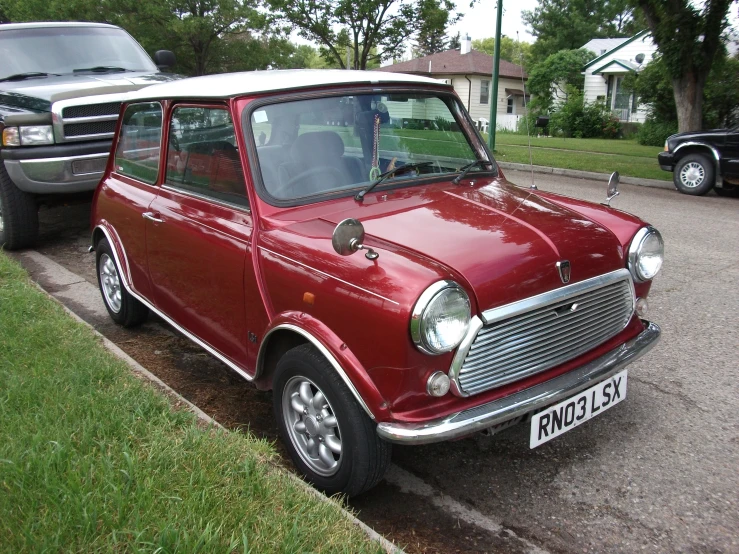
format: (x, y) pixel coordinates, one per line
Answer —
(570, 413)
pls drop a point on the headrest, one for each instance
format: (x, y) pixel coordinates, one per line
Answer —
(319, 146)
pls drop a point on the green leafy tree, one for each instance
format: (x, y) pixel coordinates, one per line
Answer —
(374, 30)
(569, 24)
(435, 16)
(510, 50)
(552, 80)
(455, 42)
(689, 39)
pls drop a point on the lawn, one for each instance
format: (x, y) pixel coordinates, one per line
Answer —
(94, 460)
(599, 155)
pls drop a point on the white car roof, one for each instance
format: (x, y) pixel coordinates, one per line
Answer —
(46, 24)
(227, 85)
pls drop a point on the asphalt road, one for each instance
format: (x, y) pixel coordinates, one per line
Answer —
(658, 472)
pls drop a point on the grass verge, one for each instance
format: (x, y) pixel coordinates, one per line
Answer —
(92, 459)
(603, 146)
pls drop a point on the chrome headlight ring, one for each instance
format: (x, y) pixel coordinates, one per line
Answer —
(645, 237)
(425, 318)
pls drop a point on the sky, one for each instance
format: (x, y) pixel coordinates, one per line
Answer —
(479, 21)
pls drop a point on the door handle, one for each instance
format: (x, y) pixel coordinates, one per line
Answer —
(152, 217)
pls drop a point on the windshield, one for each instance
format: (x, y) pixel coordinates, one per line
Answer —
(64, 49)
(310, 148)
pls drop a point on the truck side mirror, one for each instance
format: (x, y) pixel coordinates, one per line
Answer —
(164, 59)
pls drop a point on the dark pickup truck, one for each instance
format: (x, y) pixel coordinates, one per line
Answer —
(703, 160)
(61, 88)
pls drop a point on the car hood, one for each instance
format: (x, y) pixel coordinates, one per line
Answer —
(503, 240)
(40, 93)
(698, 135)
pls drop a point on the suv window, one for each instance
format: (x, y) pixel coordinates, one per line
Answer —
(137, 154)
(203, 156)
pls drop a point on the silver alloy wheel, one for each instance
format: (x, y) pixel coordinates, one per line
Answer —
(692, 175)
(312, 425)
(110, 283)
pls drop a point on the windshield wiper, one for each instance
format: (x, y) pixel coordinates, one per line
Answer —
(360, 195)
(465, 169)
(29, 75)
(101, 69)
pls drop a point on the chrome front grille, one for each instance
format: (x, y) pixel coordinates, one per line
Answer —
(542, 332)
(88, 118)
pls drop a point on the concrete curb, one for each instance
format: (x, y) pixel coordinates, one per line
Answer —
(141, 371)
(654, 183)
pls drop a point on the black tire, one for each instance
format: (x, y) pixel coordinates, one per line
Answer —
(694, 174)
(18, 215)
(129, 312)
(364, 457)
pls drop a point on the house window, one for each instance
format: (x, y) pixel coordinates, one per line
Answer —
(484, 92)
(511, 107)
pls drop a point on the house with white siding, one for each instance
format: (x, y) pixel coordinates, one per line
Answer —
(604, 75)
(469, 72)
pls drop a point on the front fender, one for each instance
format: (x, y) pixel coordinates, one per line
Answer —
(338, 354)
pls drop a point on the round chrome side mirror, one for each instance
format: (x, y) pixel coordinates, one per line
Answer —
(612, 190)
(348, 237)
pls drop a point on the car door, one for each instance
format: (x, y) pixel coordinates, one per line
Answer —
(199, 231)
(130, 188)
(730, 155)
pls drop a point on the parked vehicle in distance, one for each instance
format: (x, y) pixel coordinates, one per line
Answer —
(703, 160)
(61, 86)
(387, 283)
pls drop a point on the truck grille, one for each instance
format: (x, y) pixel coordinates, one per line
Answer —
(93, 119)
(545, 336)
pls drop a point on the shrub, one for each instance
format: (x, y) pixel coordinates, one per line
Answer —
(654, 133)
(578, 119)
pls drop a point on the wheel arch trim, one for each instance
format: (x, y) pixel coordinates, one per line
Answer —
(718, 179)
(115, 246)
(325, 352)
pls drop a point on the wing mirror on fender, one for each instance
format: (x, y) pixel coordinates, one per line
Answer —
(348, 238)
(612, 190)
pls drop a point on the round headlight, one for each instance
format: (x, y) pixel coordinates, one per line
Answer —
(646, 254)
(440, 318)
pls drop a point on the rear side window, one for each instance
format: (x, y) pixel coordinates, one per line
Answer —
(203, 156)
(137, 154)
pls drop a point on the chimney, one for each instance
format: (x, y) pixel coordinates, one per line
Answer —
(466, 45)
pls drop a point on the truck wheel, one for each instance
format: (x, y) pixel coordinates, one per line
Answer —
(331, 440)
(18, 215)
(694, 174)
(732, 191)
(123, 308)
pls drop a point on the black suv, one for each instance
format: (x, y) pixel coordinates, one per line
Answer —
(703, 160)
(61, 88)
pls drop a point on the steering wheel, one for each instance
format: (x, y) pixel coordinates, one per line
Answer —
(326, 172)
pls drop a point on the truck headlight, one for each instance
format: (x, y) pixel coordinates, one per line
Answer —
(35, 135)
(646, 254)
(440, 318)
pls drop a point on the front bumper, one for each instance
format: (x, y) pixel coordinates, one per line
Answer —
(666, 160)
(542, 395)
(58, 168)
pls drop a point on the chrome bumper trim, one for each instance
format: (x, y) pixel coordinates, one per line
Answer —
(53, 175)
(539, 396)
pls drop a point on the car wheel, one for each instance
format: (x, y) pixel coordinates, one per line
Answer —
(123, 308)
(331, 440)
(18, 215)
(694, 174)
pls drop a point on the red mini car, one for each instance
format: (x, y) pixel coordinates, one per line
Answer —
(347, 240)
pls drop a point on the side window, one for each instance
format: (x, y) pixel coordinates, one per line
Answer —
(203, 157)
(137, 154)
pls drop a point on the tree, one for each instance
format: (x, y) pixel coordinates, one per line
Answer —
(553, 80)
(435, 18)
(374, 30)
(455, 42)
(510, 50)
(689, 39)
(569, 24)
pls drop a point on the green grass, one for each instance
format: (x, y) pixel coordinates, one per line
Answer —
(94, 460)
(605, 146)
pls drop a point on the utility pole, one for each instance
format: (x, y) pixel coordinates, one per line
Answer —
(496, 71)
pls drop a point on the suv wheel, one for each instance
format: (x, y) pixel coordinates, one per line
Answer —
(694, 174)
(18, 215)
(123, 308)
(332, 442)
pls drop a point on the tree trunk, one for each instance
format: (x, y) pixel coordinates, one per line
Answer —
(688, 92)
